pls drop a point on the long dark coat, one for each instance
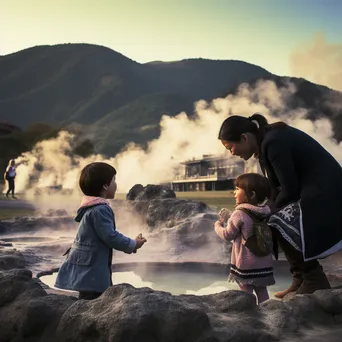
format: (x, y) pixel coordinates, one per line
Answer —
(299, 168)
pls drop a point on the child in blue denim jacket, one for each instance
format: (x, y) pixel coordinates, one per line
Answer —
(87, 267)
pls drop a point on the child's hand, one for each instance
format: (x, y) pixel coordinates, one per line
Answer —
(218, 224)
(224, 215)
(140, 240)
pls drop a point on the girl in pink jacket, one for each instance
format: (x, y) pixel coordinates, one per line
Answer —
(251, 272)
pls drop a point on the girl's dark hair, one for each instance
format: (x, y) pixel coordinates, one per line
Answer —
(94, 176)
(254, 182)
(233, 127)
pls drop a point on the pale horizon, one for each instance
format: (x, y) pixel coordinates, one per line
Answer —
(265, 33)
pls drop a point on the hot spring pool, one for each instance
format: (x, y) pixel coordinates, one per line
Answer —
(182, 278)
(27, 240)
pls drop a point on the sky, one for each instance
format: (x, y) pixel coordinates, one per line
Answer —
(262, 32)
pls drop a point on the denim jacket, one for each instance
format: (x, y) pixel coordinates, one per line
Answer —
(87, 266)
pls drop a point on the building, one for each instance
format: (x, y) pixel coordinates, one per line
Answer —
(210, 173)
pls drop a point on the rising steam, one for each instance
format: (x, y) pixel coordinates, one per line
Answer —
(180, 139)
(319, 61)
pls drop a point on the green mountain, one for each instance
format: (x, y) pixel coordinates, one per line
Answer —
(120, 99)
(87, 84)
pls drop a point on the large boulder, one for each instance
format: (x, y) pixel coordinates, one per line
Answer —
(27, 313)
(195, 233)
(11, 258)
(151, 192)
(36, 223)
(127, 314)
(160, 207)
(134, 192)
(172, 211)
(185, 223)
(141, 197)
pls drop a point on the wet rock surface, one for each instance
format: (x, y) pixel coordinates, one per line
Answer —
(30, 312)
(34, 223)
(11, 258)
(27, 312)
(179, 221)
(173, 211)
(127, 314)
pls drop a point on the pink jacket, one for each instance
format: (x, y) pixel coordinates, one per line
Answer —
(244, 263)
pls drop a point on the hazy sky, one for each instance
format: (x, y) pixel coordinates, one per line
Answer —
(263, 32)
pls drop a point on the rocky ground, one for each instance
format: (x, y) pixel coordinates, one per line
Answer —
(127, 314)
(31, 312)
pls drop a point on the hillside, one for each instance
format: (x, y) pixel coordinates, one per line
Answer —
(119, 98)
(85, 83)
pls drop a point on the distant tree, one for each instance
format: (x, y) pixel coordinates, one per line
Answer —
(7, 128)
(40, 131)
(85, 148)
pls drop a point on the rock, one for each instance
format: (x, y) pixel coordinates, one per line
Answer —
(174, 210)
(13, 283)
(306, 308)
(33, 224)
(159, 205)
(338, 319)
(27, 313)
(11, 258)
(330, 300)
(195, 233)
(5, 244)
(159, 316)
(54, 213)
(3, 228)
(278, 317)
(151, 192)
(146, 194)
(124, 313)
(127, 314)
(184, 222)
(134, 192)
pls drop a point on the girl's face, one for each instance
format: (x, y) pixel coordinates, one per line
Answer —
(111, 190)
(240, 196)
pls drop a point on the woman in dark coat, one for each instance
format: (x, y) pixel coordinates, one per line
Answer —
(307, 193)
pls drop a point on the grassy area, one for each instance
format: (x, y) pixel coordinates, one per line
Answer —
(215, 199)
(9, 213)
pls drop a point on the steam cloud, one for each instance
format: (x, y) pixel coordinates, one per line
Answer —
(180, 139)
(319, 62)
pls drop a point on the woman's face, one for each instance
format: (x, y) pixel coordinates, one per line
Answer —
(245, 148)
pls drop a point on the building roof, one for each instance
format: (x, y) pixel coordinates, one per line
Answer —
(211, 158)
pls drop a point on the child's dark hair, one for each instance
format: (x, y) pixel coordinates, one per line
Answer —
(254, 183)
(94, 176)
